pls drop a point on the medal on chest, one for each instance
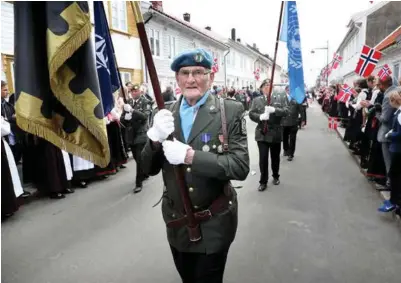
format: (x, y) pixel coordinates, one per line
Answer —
(205, 138)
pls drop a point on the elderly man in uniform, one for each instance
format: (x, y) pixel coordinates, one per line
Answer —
(135, 119)
(210, 147)
(268, 132)
(290, 125)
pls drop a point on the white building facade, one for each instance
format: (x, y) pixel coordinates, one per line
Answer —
(169, 36)
(370, 28)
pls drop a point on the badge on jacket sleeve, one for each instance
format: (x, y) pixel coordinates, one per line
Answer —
(243, 127)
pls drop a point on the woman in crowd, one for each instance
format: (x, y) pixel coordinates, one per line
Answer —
(354, 130)
(394, 136)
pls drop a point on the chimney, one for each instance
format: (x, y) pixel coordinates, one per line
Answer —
(254, 46)
(157, 5)
(187, 17)
(239, 40)
(233, 34)
(208, 28)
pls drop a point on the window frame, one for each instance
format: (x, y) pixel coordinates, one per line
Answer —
(122, 75)
(151, 36)
(119, 4)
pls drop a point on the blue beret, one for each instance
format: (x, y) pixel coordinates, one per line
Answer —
(194, 57)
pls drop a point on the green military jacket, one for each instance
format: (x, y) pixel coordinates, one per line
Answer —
(206, 178)
(274, 127)
(295, 112)
(137, 127)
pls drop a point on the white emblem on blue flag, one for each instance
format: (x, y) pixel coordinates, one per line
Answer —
(294, 46)
(101, 55)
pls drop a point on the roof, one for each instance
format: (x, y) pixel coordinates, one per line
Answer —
(391, 39)
(207, 33)
(265, 56)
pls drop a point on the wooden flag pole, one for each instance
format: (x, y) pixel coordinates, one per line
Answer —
(274, 60)
(192, 226)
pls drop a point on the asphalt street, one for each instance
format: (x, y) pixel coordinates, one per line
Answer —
(319, 225)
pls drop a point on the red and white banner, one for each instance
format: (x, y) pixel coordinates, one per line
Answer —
(345, 93)
(385, 72)
(368, 61)
(257, 74)
(215, 66)
(336, 61)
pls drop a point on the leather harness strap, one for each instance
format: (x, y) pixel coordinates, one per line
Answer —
(224, 124)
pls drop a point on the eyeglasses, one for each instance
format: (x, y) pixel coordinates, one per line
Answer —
(196, 74)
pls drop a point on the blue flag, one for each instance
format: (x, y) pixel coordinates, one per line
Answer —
(290, 34)
(105, 64)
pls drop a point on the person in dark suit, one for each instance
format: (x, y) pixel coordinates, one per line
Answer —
(290, 125)
(135, 118)
(268, 132)
(394, 136)
(385, 117)
(197, 122)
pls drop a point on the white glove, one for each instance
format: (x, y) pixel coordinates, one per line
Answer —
(264, 117)
(106, 120)
(128, 116)
(127, 108)
(163, 126)
(270, 109)
(114, 114)
(388, 134)
(175, 151)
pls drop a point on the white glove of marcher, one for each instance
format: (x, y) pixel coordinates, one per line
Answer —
(163, 126)
(388, 134)
(175, 151)
(264, 117)
(106, 120)
(127, 108)
(270, 109)
(114, 114)
(128, 116)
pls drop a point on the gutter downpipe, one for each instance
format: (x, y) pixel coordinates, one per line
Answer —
(225, 68)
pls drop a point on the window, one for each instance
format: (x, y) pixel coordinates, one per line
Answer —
(154, 40)
(171, 47)
(125, 77)
(119, 15)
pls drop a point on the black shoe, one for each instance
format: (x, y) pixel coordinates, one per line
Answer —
(290, 158)
(56, 196)
(276, 182)
(137, 189)
(285, 153)
(68, 191)
(122, 167)
(83, 185)
(25, 194)
(262, 187)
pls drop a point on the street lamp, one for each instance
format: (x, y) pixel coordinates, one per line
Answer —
(327, 56)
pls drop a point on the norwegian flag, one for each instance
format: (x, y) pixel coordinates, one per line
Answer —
(257, 74)
(368, 61)
(385, 72)
(336, 61)
(345, 93)
(215, 66)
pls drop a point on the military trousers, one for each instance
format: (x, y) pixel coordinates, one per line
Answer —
(199, 267)
(264, 149)
(136, 153)
(290, 139)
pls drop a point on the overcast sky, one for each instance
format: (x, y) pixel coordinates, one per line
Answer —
(256, 22)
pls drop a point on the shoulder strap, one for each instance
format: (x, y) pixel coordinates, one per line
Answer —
(224, 124)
